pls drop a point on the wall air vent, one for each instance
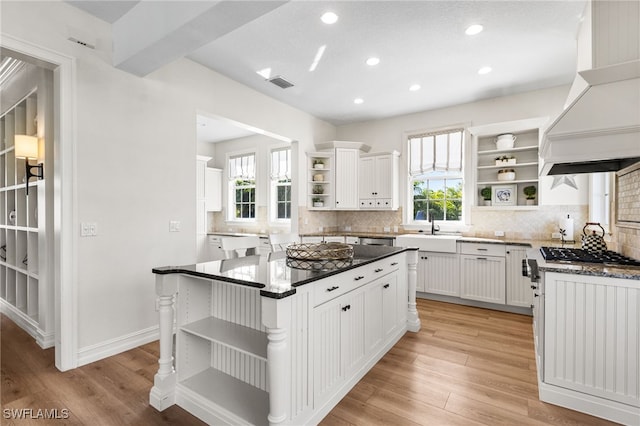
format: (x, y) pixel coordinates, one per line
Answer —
(81, 43)
(280, 82)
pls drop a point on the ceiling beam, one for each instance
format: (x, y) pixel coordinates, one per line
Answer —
(155, 33)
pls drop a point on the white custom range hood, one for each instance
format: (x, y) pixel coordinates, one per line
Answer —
(600, 130)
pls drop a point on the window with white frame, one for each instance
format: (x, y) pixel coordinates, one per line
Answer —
(281, 184)
(242, 187)
(436, 176)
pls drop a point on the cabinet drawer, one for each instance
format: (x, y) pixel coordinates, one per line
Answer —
(482, 249)
(340, 284)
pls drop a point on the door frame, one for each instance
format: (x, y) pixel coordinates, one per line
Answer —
(63, 272)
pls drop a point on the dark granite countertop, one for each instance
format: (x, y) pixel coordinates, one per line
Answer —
(271, 274)
(593, 269)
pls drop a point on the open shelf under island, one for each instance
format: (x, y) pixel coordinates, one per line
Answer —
(260, 342)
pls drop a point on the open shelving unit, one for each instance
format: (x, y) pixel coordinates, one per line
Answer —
(24, 295)
(525, 153)
(326, 185)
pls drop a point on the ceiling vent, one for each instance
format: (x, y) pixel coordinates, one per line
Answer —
(280, 82)
(81, 43)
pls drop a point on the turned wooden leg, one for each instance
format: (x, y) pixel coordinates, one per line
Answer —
(413, 320)
(162, 393)
(276, 316)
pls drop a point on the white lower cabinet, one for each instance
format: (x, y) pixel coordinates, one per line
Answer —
(483, 278)
(338, 343)
(439, 273)
(519, 292)
(591, 335)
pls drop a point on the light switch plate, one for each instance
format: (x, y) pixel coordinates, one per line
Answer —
(498, 233)
(88, 229)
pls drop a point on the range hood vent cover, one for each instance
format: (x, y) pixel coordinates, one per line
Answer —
(279, 81)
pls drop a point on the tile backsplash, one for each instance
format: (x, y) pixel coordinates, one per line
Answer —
(627, 211)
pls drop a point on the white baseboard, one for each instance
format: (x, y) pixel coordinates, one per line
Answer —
(599, 407)
(111, 347)
(43, 339)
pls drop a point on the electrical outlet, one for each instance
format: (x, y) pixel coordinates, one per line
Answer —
(556, 235)
(320, 228)
(387, 229)
(174, 226)
(347, 228)
(498, 233)
(88, 229)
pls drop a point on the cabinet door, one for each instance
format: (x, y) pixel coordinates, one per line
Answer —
(518, 287)
(339, 342)
(383, 175)
(373, 320)
(326, 350)
(213, 189)
(483, 278)
(367, 177)
(346, 184)
(389, 305)
(441, 273)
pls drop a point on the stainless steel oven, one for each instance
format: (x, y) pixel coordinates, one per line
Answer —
(378, 241)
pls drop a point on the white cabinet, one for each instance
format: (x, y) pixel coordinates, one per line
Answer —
(378, 189)
(346, 178)
(519, 292)
(439, 273)
(591, 335)
(339, 342)
(482, 268)
(522, 159)
(201, 208)
(213, 189)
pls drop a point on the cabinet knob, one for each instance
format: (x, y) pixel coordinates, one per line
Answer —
(536, 295)
(358, 278)
(531, 306)
(378, 270)
(333, 288)
(394, 263)
(385, 286)
(508, 252)
(533, 287)
(346, 308)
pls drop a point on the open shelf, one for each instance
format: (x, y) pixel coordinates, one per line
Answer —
(230, 394)
(240, 338)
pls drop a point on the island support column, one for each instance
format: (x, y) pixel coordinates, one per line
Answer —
(413, 319)
(162, 393)
(276, 316)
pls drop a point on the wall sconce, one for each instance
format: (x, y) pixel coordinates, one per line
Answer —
(27, 147)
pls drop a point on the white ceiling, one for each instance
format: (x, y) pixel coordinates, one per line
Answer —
(528, 44)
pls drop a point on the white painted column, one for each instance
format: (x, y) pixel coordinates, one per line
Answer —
(276, 316)
(162, 393)
(413, 319)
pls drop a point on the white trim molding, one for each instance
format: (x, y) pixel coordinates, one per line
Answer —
(89, 354)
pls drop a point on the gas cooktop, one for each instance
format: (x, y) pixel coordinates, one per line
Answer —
(608, 257)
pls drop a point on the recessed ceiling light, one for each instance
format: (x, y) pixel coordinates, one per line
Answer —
(473, 29)
(358, 101)
(484, 70)
(373, 61)
(414, 87)
(329, 18)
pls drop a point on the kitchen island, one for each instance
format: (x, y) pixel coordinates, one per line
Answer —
(261, 342)
(586, 321)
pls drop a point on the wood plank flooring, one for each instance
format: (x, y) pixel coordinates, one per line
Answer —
(467, 366)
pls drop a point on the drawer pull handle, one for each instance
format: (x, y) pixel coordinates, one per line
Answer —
(358, 278)
(333, 288)
(533, 287)
(385, 286)
(394, 263)
(378, 270)
(346, 308)
(536, 295)
(482, 249)
(481, 258)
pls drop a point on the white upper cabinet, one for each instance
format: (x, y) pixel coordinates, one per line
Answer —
(346, 182)
(378, 187)
(213, 189)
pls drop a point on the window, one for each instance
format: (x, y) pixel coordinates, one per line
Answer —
(242, 184)
(281, 184)
(436, 176)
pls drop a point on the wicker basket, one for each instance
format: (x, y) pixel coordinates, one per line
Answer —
(319, 256)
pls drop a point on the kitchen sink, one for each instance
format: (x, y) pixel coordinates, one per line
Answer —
(427, 242)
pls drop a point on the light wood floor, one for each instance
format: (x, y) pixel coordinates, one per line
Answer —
(467, 366)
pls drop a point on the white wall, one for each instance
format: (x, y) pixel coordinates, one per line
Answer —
(387, 134)
(136, 148)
